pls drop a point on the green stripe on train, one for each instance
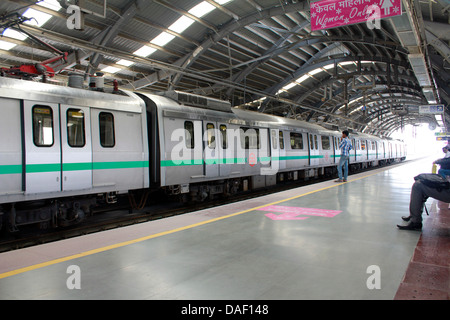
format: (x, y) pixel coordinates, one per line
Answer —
(10, 169)
(190, 162)
(120, 165)
(55, 167)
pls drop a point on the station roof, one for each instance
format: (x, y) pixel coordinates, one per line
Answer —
(260, 55)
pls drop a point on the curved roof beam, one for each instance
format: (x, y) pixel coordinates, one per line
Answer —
(375, 105)
(397, 126)
(186, 61)
(381, 114)
(393, 124)
(267, 56)
(281, 84)
(129, 11)
(332, 79)
(383, 105)
(277, 50)
(389, 119)
(376, 88)
(410, 98)
(304, 69)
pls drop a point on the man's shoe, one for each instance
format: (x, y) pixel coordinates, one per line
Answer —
(338, 180)
(406, 218)
(411, 226)
(345, 180)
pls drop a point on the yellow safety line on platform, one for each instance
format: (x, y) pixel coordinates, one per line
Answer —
(125, 243)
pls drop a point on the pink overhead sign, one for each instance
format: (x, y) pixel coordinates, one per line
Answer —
(336, 13)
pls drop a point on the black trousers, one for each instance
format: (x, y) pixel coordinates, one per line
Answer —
(419, 194)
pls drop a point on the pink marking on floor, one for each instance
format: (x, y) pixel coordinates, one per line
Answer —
(285, 216)
(302, 211)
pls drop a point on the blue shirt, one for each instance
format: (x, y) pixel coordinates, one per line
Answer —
(345, 147)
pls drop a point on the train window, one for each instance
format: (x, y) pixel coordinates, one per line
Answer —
(281, 139)
(75, 128)
(274, 139)
(106, 125)
(363, 145)
(223, 131)
(211, 136)
(313, 141)
(296, 140)
(326, 143)
(42, 126)
(249, 138)
(189, 134)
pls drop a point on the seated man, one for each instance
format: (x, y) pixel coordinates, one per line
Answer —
(444, 162)
(419, 194)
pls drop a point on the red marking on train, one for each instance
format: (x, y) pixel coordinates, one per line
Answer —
(252, 159)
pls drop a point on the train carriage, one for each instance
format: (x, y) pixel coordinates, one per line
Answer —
(66, 142)
(63, 149)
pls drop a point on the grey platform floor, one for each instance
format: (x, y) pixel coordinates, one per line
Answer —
(237, 251)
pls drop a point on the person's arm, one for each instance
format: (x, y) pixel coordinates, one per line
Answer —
(442, 161)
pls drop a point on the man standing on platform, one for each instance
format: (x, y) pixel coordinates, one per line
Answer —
(345, 146)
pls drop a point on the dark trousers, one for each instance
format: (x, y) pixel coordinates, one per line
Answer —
(419, 194)
(444, 172)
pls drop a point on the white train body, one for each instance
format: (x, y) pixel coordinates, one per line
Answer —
(65, 146)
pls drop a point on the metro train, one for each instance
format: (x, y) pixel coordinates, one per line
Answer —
(65, 150)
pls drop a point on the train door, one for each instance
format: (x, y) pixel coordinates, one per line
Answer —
(267, 149)
(358, 150)
(274, 155)
(353, 152)
(42, 147)
(337, 151)
(313, 150)
(76, 148)
(226, 155)
(364, 150)
(10, 148)
(210, 149)
(370, 150)
(281, 150)
(326, 149)
(379, 153)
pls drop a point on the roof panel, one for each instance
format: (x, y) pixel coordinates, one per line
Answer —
(237, 42)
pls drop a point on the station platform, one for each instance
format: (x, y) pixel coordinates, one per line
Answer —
(323, 241)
